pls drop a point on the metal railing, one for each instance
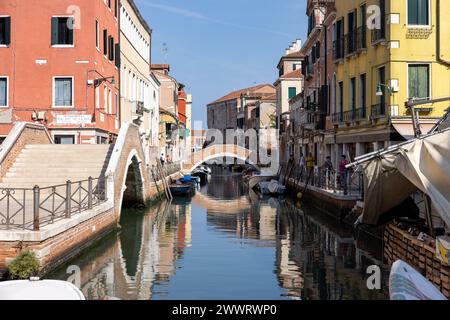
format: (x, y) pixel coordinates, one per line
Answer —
(344, 183)
(31, 209)
(378, 35)
(349, 116)
(361, 38)
(378, 110)
(350, 42)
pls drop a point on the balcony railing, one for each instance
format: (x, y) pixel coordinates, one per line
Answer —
(349, 116)
(378, 35)
(338, 49)
(350, 42)
(378, 110)
(361, 38)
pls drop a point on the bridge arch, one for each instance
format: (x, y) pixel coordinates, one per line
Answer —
(220, 151)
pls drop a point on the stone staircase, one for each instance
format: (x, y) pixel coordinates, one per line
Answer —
(50, 164)
(50, 167)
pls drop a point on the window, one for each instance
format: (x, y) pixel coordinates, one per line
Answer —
(62, 31)
(105, 99)
(341, 98)
(353, 94)
(419, 81)
(116, 106)
(5, 30)
(3, 92)
(292, 92)
(109, 102)
(111, 48)
(97, 35)
(97, 97)
(382, 80)
(64, 139)
(362, 95)
(115, 8)
(63, 92)
(418, 12)
(105, 42)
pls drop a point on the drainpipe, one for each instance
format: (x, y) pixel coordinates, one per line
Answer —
(438, 34)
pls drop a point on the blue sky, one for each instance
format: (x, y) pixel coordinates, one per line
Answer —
(215, 47)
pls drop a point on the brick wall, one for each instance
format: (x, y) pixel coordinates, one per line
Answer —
(31, 134)
(401, 245)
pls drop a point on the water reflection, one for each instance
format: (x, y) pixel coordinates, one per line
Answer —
(225, 245)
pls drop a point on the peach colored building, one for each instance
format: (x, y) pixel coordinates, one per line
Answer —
(59, 67)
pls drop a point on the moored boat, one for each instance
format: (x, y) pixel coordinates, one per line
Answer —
(35, 289)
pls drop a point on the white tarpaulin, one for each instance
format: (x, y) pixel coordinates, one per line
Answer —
(422, 164)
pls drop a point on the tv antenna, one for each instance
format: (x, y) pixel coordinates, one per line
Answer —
(165, 51)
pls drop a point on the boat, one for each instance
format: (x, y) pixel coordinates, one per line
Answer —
(185, 186)
(272, 187)
(405, 283)
(203, 173)
(36, 289)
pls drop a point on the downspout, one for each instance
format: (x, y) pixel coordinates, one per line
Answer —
(438, 34)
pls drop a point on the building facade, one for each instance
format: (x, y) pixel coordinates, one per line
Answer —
(61, 68)
(288, 85)
(311, 118)
(382, 63)
(138, 88)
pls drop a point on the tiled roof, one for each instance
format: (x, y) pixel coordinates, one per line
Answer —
(292, 75)
(237, 94)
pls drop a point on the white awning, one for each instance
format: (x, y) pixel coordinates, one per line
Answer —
(407, 130)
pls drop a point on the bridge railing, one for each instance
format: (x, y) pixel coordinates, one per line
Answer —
(31, 209)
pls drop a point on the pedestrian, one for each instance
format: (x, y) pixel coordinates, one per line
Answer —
(162, 159)
(302, 165)
(310, 164)
(328, 168)
(343, 173)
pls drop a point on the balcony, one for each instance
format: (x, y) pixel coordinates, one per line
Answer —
(378, 111)
(349, 116)
(350, 43)
(378, 35)
(361, 38)
(338, 49)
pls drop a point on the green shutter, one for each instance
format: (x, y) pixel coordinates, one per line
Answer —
(419, 86)
(54, 30)
(292, 93)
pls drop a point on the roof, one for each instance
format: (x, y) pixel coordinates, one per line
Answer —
(291, 56)
(293, 75)
(140, 17)
(160, 66)
(237, 94)
(271, 97)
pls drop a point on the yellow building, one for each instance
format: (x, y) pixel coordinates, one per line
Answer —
(386, 52)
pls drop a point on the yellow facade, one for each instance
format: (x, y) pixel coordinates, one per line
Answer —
(403, 45)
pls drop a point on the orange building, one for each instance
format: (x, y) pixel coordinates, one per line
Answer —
(182, 104)
(59, 67)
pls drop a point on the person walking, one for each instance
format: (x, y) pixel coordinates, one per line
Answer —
(302, 165)
(310, 165)
(162, 159)
(328, 169)
(343, 173)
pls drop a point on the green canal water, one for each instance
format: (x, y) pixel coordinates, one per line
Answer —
(225, 243)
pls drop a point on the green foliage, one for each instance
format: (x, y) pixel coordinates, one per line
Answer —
(26, 265)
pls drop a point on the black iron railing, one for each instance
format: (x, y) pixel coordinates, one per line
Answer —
(378, 35)
(31, 209)
(350, 42)
(378, 110)
(361, 38)
(337, 117)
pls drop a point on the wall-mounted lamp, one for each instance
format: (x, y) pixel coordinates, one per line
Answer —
(380, 87)
(97, 82)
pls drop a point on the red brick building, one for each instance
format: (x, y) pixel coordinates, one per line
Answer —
(59, 67)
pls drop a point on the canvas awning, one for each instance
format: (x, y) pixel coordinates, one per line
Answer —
(406, 130)
(420, 164)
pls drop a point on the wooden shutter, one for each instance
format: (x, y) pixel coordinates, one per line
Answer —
(7, 30)
(117, 55)
(54, 30)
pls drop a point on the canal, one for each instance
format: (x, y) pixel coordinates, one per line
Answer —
(225, 243)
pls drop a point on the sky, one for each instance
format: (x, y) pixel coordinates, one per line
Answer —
(215, 47)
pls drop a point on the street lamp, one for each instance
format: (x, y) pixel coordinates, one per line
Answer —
(97, 82)
(380, 87)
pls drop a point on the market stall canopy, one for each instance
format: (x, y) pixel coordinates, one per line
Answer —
(420, 164)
